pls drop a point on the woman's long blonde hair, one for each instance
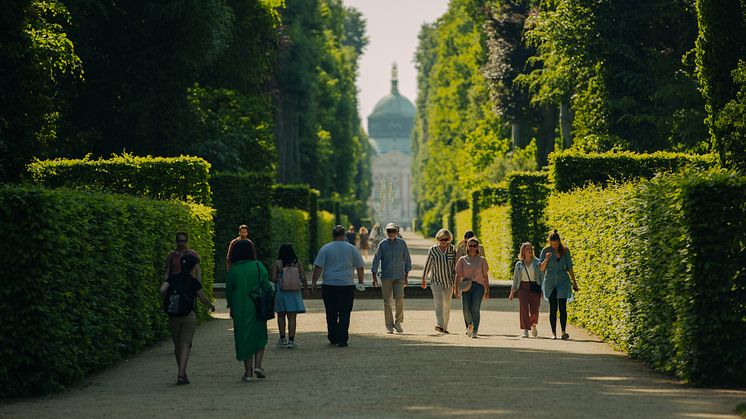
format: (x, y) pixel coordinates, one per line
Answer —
(526, 245)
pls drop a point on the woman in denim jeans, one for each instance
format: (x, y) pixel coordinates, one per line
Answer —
(473, 268)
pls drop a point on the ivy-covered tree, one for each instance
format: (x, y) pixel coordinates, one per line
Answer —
(36, 57)
(721, 45)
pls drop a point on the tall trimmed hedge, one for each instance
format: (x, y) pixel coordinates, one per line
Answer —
(660, 267)
(241, 198)
(486, 198)
(497, 242)
(528, 193)
(462, 223)
(570, 169)
(182, 178)
(82, 270)
(324, 228)
(304, 198)
(290, 225)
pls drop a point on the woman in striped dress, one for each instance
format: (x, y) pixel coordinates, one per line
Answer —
(440, 263)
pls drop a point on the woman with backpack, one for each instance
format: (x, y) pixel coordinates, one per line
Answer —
(180, 291)
(246, 282)
(288, 274)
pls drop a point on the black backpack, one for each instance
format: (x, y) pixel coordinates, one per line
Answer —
(178, 301)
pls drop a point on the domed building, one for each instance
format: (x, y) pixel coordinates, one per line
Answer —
(389, 129)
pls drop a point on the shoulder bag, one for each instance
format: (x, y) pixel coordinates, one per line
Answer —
(264, 302)
(534, 286)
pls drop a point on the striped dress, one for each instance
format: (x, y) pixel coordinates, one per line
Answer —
(440, 266)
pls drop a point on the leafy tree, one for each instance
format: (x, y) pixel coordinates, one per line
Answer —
(36, 56)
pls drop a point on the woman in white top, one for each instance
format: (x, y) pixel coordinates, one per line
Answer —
(527, 279)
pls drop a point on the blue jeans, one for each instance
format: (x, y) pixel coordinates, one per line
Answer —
(471, 302)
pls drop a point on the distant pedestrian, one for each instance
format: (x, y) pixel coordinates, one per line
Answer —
(393, 259)
(440, 266)
(337, 260)
(246, 280)
(472, 285)
(351, 236)
(243, 234)
(527, 280)
(173, 260)
(556, 263)
(287, 273)
(462, 249)
(364, 241)
(181, 291)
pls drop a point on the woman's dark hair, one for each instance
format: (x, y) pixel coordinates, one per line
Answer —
(287, 255)
(468, 234)
(242, 250)
(555, 237)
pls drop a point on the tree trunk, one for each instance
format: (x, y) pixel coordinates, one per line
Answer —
(565, 119)
(286, 138)
(545, 140)
(520, 134)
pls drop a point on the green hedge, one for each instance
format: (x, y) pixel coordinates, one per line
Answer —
(660, 266)
(527, 199)
(486, 198)
(497, 242)
(324, 228)
(241, 198)
(571, 169)
(81, 276)
(289, 225)
(291, 196)
(462, 224)
(182, 178)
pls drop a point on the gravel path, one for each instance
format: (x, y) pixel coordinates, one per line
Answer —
(418, 373)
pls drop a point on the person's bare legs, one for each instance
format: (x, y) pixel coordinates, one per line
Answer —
(291, 325)
(248, 368)
(258, 358)
(183, 354)
(281, 324)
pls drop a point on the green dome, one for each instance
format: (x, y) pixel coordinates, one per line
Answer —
(394, 104)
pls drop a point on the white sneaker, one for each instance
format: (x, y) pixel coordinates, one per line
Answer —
(398, 328)
(292, 344)
(534, 332)
(525, 334)
(282, 343)
(470, 331)
(389, 330)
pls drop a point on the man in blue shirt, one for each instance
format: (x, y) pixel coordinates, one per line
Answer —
(337, 260)
(392, 257)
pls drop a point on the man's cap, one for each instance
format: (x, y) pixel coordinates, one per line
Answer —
(392, 226)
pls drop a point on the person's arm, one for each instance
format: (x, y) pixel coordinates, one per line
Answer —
(303, 279)
(516, 280)
(376, 263)
(360, 274)
(486, 277)
(198, 272)
(407, 264)
(164, 288)
(168, 268)
(545, 255)
(316, 273)
(228, 256)
(428, 263)
(206, 301)
(459, 276)
(570, 270)
(273, 273)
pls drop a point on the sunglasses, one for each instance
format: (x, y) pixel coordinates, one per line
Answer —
(473, 245)
(444, 240)
(391, 231)
(182, 241)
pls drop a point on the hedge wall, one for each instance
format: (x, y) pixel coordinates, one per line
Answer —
(289, 226)
(81, 276)
(528, 193)
(571, 169)
(241, 198)
(486, 198)
(660, 266)
(181, 178)
(497, 242)
(462, 224)
(291, 196)
(324, 228)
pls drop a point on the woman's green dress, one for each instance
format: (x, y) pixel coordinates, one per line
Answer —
(244, 278)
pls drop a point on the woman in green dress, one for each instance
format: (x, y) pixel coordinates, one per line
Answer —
(247, 277)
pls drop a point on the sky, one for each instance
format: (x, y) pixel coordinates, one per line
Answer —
(392, 27)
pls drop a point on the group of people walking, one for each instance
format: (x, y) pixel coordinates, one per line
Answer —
(453, 270)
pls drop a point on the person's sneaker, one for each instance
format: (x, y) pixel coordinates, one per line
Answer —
(342, 345)
(292, 344)
(439, 329)
(525, 334)
(259, 373)
(398, 328)
(474, 334)
(282, 343)
(182, 381)
(246, 378)
(534, 332)
(565, 336)
(470, 330)
(390, 330)
(554, 337)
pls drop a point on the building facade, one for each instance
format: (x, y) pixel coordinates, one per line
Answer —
(389, 129)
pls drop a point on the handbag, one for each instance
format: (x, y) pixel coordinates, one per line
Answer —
(534, 286)
(264, 302)
(465, 285)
